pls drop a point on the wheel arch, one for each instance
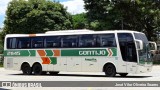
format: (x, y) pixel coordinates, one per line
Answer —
(36, 63)
(108, 64)
(30, 64)
(23, 64)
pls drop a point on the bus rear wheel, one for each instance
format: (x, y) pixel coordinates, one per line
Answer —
(37, 69)
(26, 69)
(123, 74)
(110, 70)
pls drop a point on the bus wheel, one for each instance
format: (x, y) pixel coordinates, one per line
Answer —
(123, 74)
(26, 69)
(53, 73)
(37, 69)
(110, 70)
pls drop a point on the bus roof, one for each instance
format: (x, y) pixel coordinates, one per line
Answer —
(71, 32)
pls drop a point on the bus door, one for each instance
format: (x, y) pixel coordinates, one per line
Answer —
(128, 51)
(131, 59)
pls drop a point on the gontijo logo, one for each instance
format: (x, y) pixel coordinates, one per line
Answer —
(93, 52)
(98, 52)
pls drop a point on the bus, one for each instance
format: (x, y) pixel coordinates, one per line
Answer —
(112, 52)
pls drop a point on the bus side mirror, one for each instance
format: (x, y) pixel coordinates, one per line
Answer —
(153, 46)
(139, 44)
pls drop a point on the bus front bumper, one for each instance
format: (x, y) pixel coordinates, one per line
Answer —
(144, 69)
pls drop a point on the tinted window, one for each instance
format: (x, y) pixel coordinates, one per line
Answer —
(142, 37)
(23, 43)
(87, 41)
(11, 43)
(127, 47)
(106, 40)
(70, 41)
(53, 41)
(37, 42)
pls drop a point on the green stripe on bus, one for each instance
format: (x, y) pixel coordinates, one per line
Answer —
(49, 53)
(114, 50)
(89, 52)
(70, 52)
(32, 52)
(24, 53)
(20, 53)
(53, 60)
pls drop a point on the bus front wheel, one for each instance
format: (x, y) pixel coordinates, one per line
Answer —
(26, 69)
(110, 70)
(37, 69)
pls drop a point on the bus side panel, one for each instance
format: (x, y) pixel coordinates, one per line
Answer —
(121, 66)
(8, 63)
(90, 64)
(14, 63)
(61, 64)
(5, 63)
(74, 64)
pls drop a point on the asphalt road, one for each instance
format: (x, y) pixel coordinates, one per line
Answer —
(10, 75)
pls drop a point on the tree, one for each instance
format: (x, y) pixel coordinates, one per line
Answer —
(36, 16)
(139, 15)
(97, 14)
(79, 21)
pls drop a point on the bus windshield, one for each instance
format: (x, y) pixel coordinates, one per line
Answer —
(144, 54)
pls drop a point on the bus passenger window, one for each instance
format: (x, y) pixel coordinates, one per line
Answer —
(23, 43)
(11, 43)
(70, 41)
(87, 41)
(37, 42)
(53, 42)
(107, 40)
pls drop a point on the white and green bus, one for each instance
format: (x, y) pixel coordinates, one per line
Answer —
(113, 52)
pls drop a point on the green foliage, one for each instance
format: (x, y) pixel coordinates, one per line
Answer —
(1, 43)
(79, 21)
(1, 65)
(1, 60)
(36, 16)
(156, 62)
(139, 15)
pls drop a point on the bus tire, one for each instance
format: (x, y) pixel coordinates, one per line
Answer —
(110, 70)
(26, 69)
(53, 73)
(123, 74)
(37, 69)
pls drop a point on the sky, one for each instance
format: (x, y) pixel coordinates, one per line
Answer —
(73, 6)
